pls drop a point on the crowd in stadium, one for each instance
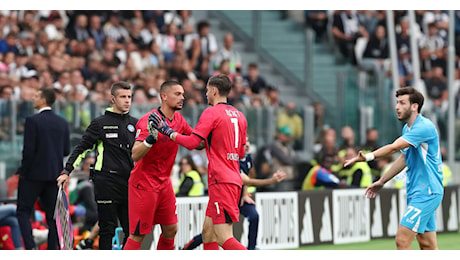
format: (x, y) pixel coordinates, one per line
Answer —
(80, 53)
(360, 38)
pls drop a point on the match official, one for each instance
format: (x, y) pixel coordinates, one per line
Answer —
(112, 136)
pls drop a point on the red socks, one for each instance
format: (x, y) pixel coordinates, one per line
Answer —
(211, 246)
(165, 243)
(233, 244)
(132, 245)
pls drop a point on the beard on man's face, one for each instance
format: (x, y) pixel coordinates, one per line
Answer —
(177, 108)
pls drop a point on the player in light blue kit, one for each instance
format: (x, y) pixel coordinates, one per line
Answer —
(420, 152)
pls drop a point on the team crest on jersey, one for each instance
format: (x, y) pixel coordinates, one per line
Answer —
(131, 128)
(138, 132)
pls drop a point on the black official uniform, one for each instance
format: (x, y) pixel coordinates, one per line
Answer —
(112, 136)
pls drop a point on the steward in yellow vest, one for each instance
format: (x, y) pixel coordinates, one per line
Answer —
(190, 183)
(358, 175)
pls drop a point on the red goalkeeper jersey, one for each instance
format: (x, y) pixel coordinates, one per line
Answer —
(223, 127)
(155, 167)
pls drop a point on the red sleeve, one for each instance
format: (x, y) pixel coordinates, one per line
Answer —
(186, 128)
(188, 141)
(205, 123)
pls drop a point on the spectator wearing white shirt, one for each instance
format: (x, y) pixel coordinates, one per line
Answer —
(228, 53)
(209, 46)
(185, 23)
(115, 30)
(432, 50)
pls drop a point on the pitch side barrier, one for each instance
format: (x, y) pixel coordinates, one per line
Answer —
(294, 219)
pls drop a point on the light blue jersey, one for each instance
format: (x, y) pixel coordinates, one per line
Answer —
(423, 159)
(424, 175)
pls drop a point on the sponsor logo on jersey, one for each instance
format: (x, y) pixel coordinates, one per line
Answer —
(111, 135)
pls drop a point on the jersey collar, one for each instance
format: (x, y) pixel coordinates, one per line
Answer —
(163, 115)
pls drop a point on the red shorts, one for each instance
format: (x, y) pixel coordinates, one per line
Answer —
(148, 208)
(223, 205)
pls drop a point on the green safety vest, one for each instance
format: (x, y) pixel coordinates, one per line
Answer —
(447, 175)
(197, 188)
(375, 172)
(366, 178)
(251, 189)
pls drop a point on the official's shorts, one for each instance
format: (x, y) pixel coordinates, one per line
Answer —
(223, 205)
(420, 213)
(148, 208)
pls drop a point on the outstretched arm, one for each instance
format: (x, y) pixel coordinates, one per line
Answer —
(388, 149)
(395, 168)
(188, 141)
(278, 176)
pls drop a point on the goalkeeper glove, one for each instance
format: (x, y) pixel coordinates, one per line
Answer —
(158, 123)
(153, 135)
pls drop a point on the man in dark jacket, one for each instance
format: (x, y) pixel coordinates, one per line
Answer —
(46, 143)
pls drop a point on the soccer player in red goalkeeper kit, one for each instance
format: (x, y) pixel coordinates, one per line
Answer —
(223, 128)
(151, 196)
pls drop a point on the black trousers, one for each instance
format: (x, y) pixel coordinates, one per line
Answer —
(112, 208)
(28, 193)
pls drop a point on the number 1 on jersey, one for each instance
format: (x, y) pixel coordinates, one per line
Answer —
(235, 123)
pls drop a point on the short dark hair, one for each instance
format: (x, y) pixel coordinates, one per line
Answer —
(370, 129)
(119, 85)
(253, 65)
(168, 84)
(415, 97)
(222, 83)
(202, 24)
(48, 94)
(326, 157)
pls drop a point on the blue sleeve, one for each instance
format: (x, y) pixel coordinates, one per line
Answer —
(418, 135)
(324, 178)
